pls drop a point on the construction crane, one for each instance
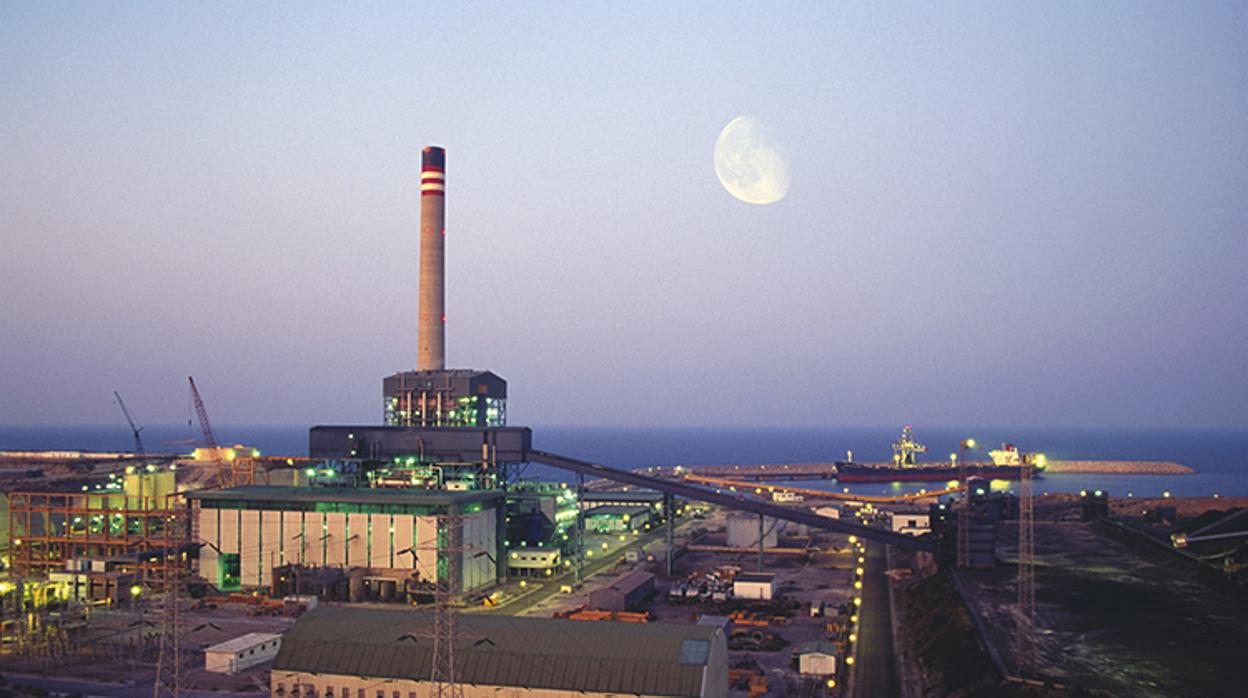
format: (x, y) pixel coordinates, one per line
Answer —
(134, 428)
(210, 440)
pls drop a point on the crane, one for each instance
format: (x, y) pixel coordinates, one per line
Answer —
(210, 440)
(134, 428)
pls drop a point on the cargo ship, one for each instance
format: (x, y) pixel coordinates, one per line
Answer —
(1007, 464)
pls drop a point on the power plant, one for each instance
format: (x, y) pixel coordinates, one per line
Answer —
(145, 560)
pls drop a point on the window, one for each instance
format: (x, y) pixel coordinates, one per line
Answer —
(359, 693)
(329, 692)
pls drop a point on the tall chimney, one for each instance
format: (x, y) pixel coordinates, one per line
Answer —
(431, 355)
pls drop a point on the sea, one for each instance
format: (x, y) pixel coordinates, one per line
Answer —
(1217, 455)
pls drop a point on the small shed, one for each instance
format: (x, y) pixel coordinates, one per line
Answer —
(628, 593)
(910, 522)
(817, 659)
(233, 656)
(754, 585)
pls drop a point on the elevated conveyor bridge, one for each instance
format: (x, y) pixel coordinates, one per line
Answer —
(740, 502)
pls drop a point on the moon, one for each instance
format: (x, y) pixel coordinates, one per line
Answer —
(750, 162)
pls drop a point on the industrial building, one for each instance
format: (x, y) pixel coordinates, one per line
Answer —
(914, 523)
(754, 585)
(617, 519)
(630, 498)
(249, 531)
(533, 562)
(817, 659)
(454, 398)
(129, 520)
(744, 530)
(628, 593)
(341, 651)
(233, 656)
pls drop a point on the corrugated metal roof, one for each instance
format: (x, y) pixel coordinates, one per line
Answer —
(819, 648)
(243, 642)
(499, 650)
(632, 581)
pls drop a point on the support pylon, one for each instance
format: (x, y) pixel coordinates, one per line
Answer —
(964, 516)
(169, 660)
(449, 549)
(1026, 640)
(450, 538)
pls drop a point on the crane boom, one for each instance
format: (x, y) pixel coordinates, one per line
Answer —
(209, 439)
(134, 428)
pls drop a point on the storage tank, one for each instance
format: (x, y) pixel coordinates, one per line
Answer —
(743, 531)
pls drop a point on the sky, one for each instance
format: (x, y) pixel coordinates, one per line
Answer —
(999, 213)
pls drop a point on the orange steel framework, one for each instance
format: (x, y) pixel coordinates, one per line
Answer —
(47, 529)
(823, 494)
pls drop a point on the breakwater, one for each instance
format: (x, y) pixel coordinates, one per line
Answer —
(804, 471)
(1118, 467)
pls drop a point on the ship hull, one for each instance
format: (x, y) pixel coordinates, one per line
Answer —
(855, 472)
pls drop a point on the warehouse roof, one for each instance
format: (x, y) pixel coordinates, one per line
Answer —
(819, 648)
(349, 495)
(616, 510)
(632, 581)
(243, 642)
(530, 652)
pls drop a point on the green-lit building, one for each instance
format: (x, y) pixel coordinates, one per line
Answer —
(249, 531)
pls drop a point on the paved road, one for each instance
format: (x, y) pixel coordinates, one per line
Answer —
(593, 565)
(875, 674)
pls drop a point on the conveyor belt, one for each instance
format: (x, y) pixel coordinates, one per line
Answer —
(738, 501)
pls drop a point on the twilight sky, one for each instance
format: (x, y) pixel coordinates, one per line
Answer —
(1000, 213)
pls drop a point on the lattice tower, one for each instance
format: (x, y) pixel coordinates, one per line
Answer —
(169, 661)
(964, 516)
(1026, 639)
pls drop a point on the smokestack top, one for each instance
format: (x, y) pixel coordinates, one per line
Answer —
(433, 173)
(433, 158)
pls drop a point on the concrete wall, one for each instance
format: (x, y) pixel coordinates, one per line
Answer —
(715, 685)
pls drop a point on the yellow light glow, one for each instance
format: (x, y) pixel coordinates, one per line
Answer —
(857, 585)
(853, 637)
(136, 590)
(5, 587)
(970, 443)
(858, 571)
(858, 601)
(831, 683)
(849, 661)
(853, 618)
(853, 539)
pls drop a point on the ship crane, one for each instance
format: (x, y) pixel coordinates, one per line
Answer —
(905, 448)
